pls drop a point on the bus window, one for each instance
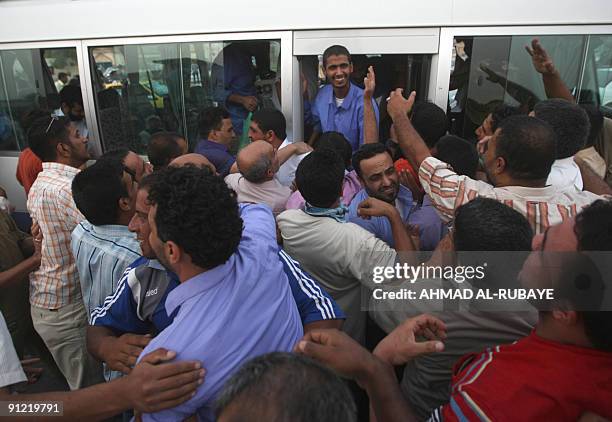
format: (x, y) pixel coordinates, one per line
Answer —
(31, 81)
(144, 89)
(491, 70)
(407, 71)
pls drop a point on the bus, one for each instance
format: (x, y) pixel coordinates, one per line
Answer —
(148, 65)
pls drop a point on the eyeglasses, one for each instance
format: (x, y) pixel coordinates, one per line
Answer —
(53, 118)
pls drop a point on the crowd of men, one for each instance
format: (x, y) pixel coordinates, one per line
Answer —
(238, 287)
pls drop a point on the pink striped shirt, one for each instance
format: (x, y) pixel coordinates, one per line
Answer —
(56, 282)
(542, 207)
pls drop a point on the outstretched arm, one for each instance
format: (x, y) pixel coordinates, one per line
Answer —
(542, 63)
(370, 126)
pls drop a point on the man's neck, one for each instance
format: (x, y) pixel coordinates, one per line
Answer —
(187, 272)
(68, 162)
(216, 141)
(549, 329)
(540, 183)
(276, 142)
(342, 92)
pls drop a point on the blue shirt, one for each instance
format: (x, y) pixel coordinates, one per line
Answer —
(101, 253)
(233, 73)
(346, 119)
(231, 313)
(139, 304)
(380, 226)
(217, 154)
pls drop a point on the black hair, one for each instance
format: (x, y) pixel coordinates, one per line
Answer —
(163, 147)
(569, 122)
(198, 212)
(319, 177)
(596, 119)
(459, 153)
(287, 387)
(501, 112)
(97, 190)
(527, 144)
(336, 50)
(44, 135)
(429, 121)
(338, 143)
(365, 152)
(71, 94)
(211, 119)
(115, 154)
(593, 229)
(485, 224)
(271, 119)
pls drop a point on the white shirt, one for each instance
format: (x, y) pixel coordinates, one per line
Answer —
(340, 256)
(286, 173)
(11, 371)
(270, 193)
(565, 172)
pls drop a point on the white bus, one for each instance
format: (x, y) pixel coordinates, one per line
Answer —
(145, 65)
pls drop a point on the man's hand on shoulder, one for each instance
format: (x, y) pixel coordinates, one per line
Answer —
(121, 353)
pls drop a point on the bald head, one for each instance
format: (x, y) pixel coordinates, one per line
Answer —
(193, 159)
(257, 162)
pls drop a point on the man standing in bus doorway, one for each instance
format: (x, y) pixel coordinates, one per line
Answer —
(339, 104)
(72, 107)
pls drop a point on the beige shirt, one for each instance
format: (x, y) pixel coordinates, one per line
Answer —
(592, 158)
(271, 193)
(340, 256)
(542, 207)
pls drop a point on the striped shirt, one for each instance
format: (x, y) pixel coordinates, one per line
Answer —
(56, 282)
(530, 380)
(542, 207)
(102, 254)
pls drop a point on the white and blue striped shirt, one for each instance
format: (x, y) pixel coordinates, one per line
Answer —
(102, 253)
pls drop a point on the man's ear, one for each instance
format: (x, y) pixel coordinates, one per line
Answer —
(269, 135)
(173, 252)
(565, 317)
(500, 165)
(62, 149)
(124, 204)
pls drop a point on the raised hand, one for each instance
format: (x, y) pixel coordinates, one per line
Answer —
(401, 345)
(369, 83)
(398, 105)
(539, 57)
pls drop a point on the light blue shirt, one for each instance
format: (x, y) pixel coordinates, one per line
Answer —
(102, 253)
(231, 313)
(346, 119)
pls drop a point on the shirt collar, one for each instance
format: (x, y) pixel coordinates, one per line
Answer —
(110, 230)
(212, 144)
(60, 169)
(199, 284)
(348, 100)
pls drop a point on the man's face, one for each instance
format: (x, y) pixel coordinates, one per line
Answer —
(139, 223)
(486, 128)
(156, 243)
(75, 112)
(136, 164)
(490, 158)
(78, 145)
(226, 134)
(543, 264)
(338, 69)
(131, 186)
(380, 178)
(255, 133)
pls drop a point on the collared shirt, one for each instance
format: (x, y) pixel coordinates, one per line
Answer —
(565, 172)
(232, 73)
(346, 118)
(102, 253)
(350, 186)
(270, 192)
(217, 154)
(231, 313)
(340, 256)
(542, 207)
(50, 203)
(28, 167)
(11, 371)
(286, 173)
(431, 227)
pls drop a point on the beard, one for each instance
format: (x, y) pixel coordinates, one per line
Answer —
(384, 196)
